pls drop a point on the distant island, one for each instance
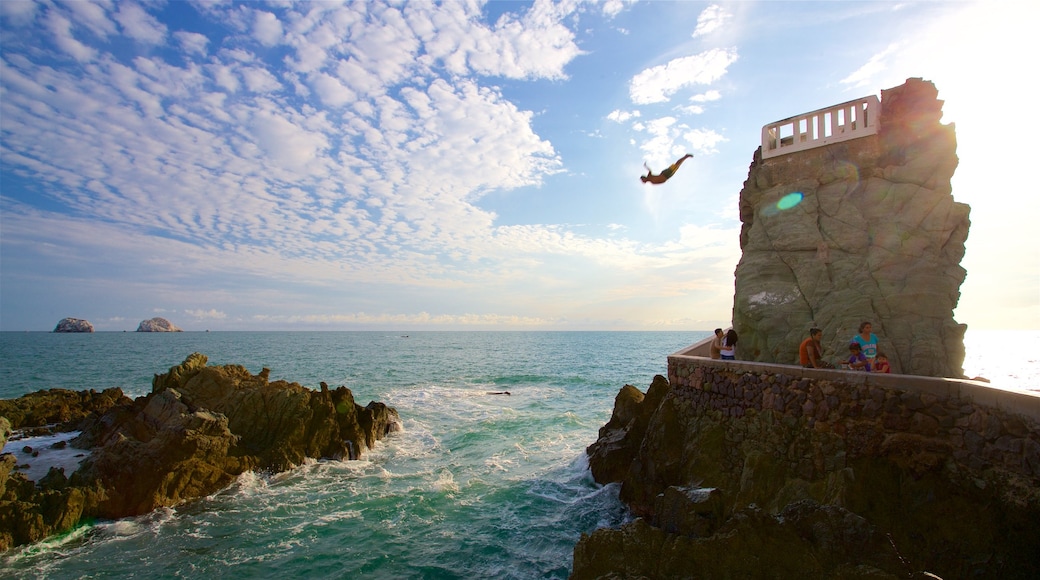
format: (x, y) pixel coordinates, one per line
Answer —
(157, 325)
(73, 325)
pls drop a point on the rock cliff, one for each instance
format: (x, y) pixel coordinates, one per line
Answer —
(73, 325)
(197, 430)
(157, 325)
(876, 237)
(735, 473)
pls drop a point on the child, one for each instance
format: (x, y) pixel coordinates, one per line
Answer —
(881, 364)
(857, 361)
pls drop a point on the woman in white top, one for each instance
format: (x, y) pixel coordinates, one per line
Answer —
(728, 351)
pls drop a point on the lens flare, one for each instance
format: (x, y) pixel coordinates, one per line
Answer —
(790, 200)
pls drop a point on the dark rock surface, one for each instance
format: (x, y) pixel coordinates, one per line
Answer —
(199, 429)
(741, 475)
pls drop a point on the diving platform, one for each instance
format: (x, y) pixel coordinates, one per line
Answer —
(842, 122)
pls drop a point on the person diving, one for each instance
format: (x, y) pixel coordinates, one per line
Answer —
(664, 175)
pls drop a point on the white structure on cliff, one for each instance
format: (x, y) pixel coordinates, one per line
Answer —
(848, 120)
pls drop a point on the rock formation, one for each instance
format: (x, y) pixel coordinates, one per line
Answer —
(157, 325)
(73, 325)
(735, 474)
(877, 237)
(197, 430)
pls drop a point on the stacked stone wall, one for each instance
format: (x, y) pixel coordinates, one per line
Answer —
(865, 416)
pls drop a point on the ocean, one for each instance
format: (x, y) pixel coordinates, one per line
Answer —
(477, 485)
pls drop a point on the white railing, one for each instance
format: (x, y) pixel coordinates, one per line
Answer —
(849, 120)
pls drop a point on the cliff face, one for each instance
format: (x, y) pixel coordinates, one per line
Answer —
(740, 473)
(876, 237)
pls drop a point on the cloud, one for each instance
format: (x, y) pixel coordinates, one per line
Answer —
(619, 116)
(865, 75)
(211, 314)
(139, 25)
(657, 84)
(349, 163)
(18, 13)
(61, 29)
(705, 97)
(267, 29)
(711, 19)
(192, 42)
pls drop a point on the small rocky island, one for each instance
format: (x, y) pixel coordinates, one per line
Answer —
(199, 428)
(73, 325)
(157, 324)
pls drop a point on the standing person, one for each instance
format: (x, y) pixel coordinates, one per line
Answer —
(716, 343)
(664, 175)
(867, 341)
(810, 352)
(728, 350)
(857, 362)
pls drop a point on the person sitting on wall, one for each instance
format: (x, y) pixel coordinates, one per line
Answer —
(716, 343)
(881, 363)
(728, 349)
(857, 361)
(810, 352)
(664, 175)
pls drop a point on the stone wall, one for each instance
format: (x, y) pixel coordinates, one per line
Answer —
(979, 427)
(734, 468)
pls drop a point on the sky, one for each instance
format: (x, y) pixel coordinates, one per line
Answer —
(466, 165)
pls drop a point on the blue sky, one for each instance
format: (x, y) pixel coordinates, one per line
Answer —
(470, 165)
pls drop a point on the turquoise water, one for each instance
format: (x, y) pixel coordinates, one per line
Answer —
(476, 486)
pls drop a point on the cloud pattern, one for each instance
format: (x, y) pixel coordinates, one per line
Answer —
(323, 142)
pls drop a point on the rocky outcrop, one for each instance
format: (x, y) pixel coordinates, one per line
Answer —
(197, 430)
(877, 236)
(157, 325)
(742, 474)
(58, 410)
(73, 325)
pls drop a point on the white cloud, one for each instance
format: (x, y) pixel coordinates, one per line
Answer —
(703, 140)
(211, 314)
(657, 84)
(61, 28)
(140, 25)
(612, 8)
(866, 74)
(331, 91)
(711, 19)
(707, 96)
(267, 29)
(18, 12)
(259, 80)
(619, 116)
(192, 42)
(91, 16)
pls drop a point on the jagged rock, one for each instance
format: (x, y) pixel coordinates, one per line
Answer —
(197, 430)
(58, 410)
(877, 237)
(73, 325)
(5, 430)
(157, 324)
